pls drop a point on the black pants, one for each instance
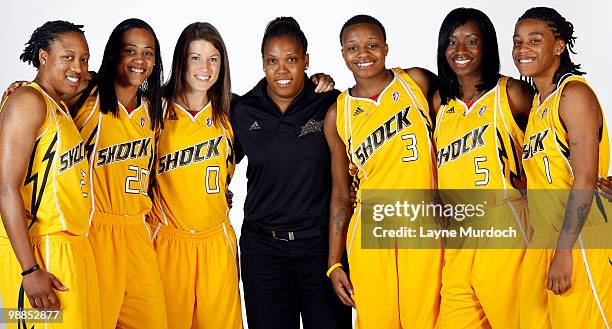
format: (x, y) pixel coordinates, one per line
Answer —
(283, 279)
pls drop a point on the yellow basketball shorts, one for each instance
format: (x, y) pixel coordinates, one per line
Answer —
(393, 288)
(480, 288)
(480, 285)
(199, 272)
(130, 286)
(587, 304)
(70, 259)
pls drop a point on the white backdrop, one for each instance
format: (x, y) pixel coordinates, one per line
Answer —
(412, 29)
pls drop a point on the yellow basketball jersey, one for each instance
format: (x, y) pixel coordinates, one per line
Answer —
(195, 163)
(388, 141)
(120, 150)
(55, 188)
(546, 157)
(479, 147)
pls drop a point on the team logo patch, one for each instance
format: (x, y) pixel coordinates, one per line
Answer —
(395, 96)
(255, 126)
(359, 110)
(482, 110)
(173, 116)
(209, 122)
(312, 126)
(544, 113)
(451, 110)
(142, 122)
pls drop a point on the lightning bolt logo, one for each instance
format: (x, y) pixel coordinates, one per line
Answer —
(515, 178)
(427, 123)
(33, 178)
(89, 145)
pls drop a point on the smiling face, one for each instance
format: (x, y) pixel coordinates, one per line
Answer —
(136, 57)
(284, 64)
(202, 66)
(464, 50)
(535, 48)
(364, 50)
(64, 65)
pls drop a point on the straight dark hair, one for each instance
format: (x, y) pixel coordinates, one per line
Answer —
(449, 84)
(220, 93)
(151, 89)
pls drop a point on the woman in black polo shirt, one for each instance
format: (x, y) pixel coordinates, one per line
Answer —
(279, 126)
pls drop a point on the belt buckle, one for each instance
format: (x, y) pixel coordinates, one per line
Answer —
(290, 236)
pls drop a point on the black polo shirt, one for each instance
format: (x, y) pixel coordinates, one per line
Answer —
(289, 168)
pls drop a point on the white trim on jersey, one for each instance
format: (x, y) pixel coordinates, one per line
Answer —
(161, 208)
(554, 92)
(143, 103)
(439, 117)
(377, 101)
(54, 182)
(47, 254)
(496, 107)
(468, 109)
(349, 122)
(91, 169)
(357, 221)
(414, 99)
(592, 283)
(93, 110)
(518, 222)
(144, 221)
(229, 241)
(504, 120)
(194, 118)
(52, 100)
(569, 166)
(156, 231)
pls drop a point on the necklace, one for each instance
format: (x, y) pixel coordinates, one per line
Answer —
(473, 97)
(388, 80)
(189, 107)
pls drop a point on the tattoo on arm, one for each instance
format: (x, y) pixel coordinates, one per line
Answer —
(340, 221)
(576, 214)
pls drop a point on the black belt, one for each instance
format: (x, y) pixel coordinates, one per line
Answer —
(285, 235)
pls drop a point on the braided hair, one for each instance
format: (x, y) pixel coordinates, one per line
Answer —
(285, 27)
(42, 38)
(563, 30)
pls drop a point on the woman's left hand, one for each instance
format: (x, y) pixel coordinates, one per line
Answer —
(323, 81)
(605, 187)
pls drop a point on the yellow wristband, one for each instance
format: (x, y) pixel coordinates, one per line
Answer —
(332, 268)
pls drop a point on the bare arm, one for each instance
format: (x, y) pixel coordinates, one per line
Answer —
(341, 209)
(428, 82)
(520, 97)
(20, 119)
(580, 112)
